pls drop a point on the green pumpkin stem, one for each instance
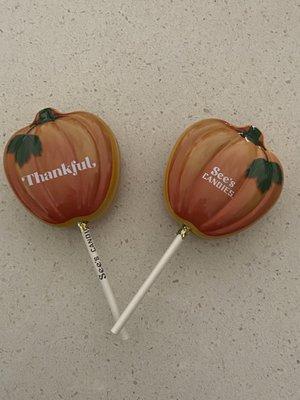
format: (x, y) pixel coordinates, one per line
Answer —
(254, 135)
(45, 115)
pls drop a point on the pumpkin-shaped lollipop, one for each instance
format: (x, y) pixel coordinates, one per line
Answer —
(64, 168)
(219, 180)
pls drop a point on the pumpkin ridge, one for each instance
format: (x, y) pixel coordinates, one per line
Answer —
(244, 182)
(182, 137)
(259, 206)
(42, 210)
(48, 191)
(111, 141)
(190, 151)
(65, 135)
(205, 135)
(171, 160)
(27, 192)
(97, 151)
(38, 133)
(218, 152)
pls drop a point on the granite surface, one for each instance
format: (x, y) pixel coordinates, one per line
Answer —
(222, 322)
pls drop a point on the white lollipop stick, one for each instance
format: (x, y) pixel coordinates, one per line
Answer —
(109, 295)
(150, 280)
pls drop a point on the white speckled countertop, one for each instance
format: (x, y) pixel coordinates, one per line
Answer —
(222, 321)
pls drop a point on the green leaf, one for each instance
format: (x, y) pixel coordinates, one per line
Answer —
(277, 173)
(23, 146)
(265, 172)
(14, 143)
(256, 168)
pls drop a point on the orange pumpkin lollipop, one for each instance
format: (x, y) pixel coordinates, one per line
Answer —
(64, 168)
(219, 180)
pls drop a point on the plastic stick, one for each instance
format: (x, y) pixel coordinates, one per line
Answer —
(102, 275)
(150, 280)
